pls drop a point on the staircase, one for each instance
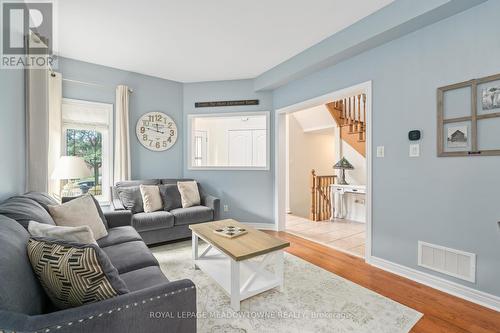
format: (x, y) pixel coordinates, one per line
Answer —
(321, 198)
(350, 115)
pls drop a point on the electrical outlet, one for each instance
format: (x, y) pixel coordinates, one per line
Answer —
(380, 151)
(226, 208)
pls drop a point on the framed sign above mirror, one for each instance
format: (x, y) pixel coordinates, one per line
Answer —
(468, 118)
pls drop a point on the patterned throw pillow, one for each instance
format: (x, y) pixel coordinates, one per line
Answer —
(73, 274)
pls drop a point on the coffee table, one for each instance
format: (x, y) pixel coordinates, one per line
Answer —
(243, 266)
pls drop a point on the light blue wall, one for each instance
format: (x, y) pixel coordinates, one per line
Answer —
(150, 94)
(249, 194)
(12, 138)
(447, 201)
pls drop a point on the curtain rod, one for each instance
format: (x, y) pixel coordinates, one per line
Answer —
(93, 84)
(88, 83)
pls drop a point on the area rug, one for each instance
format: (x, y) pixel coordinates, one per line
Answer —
(312, 300)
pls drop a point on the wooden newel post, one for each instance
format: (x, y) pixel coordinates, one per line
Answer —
(313, 195)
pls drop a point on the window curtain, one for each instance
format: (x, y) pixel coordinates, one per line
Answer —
(37, 125)
(55, 130)
(122, 137)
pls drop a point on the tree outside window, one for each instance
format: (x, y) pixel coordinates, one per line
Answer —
(87, 144)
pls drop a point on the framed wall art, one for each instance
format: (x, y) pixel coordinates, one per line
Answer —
(468, 118)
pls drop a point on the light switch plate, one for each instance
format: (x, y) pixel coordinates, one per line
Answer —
(380, 151)
(415, 150)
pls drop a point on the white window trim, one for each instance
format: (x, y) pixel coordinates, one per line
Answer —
(189, 147)
(110, 146)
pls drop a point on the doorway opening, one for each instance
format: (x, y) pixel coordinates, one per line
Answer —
(323, 170)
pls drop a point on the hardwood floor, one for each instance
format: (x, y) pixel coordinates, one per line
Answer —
(442, 312)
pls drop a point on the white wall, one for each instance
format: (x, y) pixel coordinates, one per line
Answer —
(307, 151)
(217, 132)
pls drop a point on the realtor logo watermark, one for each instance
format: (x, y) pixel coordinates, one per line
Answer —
(27, 34)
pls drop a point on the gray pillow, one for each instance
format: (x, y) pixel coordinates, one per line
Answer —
(73, 274)
(170, 196)
(131, 198)
(23, 210)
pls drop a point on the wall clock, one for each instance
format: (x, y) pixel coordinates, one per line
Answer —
(156, 131)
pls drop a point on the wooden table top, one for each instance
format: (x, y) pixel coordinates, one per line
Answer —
(252, 244)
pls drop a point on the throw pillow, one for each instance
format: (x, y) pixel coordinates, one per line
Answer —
(131, 198)
(151, 198)
(73, 274)
(170, 196)
(78, 212)
(190, 196)
(82, 234)
(97, 205)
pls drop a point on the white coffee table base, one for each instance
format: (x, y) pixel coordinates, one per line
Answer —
(240, 279)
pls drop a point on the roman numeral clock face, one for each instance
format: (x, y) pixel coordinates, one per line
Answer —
(156, 131)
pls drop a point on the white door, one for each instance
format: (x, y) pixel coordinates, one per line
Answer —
(259, 145)
(240, 148)
(200, 143)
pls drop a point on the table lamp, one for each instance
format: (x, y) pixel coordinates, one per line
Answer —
(71, 168)
(343, 165)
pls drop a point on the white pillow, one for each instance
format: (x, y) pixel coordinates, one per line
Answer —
(78, 212)
(82, 234)
(151, 198)
(190, 196)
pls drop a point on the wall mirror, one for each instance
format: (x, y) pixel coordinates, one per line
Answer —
(238, 141)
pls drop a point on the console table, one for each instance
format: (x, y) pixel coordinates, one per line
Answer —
(342, 190)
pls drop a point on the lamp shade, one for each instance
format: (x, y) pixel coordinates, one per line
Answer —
(71, 167)
(343, 164)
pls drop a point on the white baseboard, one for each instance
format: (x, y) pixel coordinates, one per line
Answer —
(261, 226)
(455, 289)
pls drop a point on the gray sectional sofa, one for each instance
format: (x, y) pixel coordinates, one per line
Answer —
(24, 306)
(173, 222)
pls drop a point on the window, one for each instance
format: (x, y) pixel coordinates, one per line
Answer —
(87, 132)
(229, 141)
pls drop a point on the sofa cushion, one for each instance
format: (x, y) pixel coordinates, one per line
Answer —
(170, 196)
(128, 183)
(151, 198)
(78, 212)
(74, 274)
(130, 256)
(195, 214)
(20, 290)
(43, 199)
(175, 180)
(190, 195)
(23, 210)
(143, 278)
(119, 235)
(81, 234)
(131, 198)
(152, 221)
(97, 205)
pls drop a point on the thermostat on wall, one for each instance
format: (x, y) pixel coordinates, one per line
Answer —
(414, 135)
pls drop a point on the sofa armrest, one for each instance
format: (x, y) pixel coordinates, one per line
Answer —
(212, 202)
(118, 218)
(169, 307)
(115, 199)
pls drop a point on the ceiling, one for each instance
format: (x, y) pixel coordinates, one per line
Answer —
(200, 40)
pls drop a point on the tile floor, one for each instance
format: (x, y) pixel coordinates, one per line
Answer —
(343, 235)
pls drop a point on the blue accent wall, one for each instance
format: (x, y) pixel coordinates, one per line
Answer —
(12, 138)
(150, 94)
(249, 194)
(452, 202)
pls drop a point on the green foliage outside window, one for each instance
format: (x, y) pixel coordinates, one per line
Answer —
(87, 144)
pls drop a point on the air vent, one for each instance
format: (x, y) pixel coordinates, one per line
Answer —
(448, 261)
